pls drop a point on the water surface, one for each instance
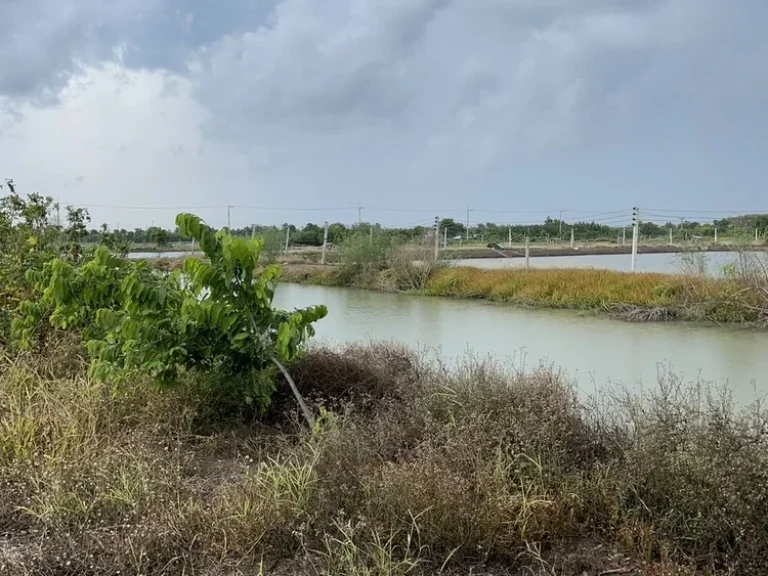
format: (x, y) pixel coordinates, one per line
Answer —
(663, 263)
(594, 350)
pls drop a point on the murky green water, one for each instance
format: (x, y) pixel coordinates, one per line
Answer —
(595, 351)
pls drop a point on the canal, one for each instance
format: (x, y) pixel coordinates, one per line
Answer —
(594, 351)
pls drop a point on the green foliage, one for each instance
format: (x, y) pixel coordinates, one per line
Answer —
(27, 240)
(160, 236)
(113, 241)
(76, 231)
(362, 256)
(215, 319)
(272, 245)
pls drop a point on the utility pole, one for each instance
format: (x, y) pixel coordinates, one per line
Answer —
(635, 235)
(445, 237)
(527, 253)
(670, 236)
(756, 236)
(437, 238)
(715, 235)
(359, 215)
(325, 243)
(229, 219)
(509, 237)
(468, 211)
(572, 239)
(287, 236)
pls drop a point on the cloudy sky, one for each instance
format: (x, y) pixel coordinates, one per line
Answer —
(409, 108)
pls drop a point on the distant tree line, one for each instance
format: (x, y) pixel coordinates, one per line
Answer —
(311, 234)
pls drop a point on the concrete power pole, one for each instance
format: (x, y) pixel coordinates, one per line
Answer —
(359, 215)
(635, 235)
(509, 237)
(229, 218)
(325, 243)
(573, 240)
(527, 253)
(437, 238)
(468, 211)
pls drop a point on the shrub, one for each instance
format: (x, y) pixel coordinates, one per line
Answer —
(216, 319)
(362, 257)
(424, 470)
(412, 264)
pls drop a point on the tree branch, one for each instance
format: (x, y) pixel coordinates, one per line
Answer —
(305, 410)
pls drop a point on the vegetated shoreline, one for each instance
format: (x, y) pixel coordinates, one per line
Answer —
(413, 469)
(628, 296)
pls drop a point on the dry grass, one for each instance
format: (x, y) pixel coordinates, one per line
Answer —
(646, 296)
(636, 297)
(416, 470)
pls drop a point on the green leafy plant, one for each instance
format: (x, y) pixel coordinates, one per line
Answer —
(215, 319)
(76, 231)
(27, 241)
(363, 256)
(113, 241)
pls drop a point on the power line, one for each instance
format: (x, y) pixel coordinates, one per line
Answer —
(576, 216)
(294, 209)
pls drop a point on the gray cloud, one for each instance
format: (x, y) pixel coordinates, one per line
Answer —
(588, 102)
(43, 42)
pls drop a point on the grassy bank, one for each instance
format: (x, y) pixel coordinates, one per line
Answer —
(631, 296)
(415, 470)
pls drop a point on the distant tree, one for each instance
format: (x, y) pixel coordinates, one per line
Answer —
(159, 236)
(454, 228)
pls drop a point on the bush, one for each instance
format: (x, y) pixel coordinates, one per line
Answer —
(362, 257)
(216, 320)
(412, 264)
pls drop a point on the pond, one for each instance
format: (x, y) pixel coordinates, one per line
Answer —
(595, 351)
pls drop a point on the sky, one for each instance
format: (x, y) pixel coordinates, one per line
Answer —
(301, 110)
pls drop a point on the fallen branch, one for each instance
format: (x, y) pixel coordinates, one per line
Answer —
(305, 410)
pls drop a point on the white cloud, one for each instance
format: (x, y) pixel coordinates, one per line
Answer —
(120, 137)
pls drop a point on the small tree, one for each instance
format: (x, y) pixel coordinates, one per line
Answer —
(77, 229)
(27, 241)
(215, 320)
(363, 256)
(160, 237)
(113, 241)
